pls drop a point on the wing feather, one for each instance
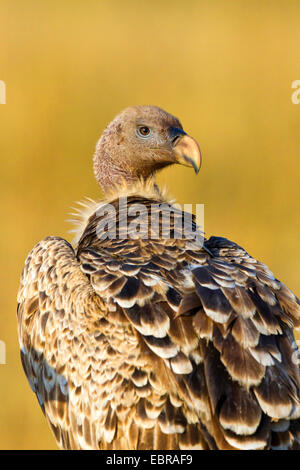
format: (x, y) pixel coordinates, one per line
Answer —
(52, 299)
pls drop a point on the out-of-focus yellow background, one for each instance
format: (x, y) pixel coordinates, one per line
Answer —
(224, 68)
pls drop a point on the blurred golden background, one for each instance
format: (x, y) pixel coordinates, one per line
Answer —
(224, 68)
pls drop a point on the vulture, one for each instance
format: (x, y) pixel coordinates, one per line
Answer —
(142, 336)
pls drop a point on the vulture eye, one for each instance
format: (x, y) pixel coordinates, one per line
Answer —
(143, 131)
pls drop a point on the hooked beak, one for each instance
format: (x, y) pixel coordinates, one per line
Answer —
(185, 148)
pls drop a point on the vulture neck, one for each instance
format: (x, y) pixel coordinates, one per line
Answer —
(110, 177)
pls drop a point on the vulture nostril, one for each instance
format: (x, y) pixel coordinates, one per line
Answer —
(175, 133)
(175, 139)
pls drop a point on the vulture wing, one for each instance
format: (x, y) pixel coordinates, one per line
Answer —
(139, 343)
(54, 301)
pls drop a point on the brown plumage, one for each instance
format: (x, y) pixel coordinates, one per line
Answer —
(151, 342)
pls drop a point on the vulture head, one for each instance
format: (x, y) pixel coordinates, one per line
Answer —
(140, 141)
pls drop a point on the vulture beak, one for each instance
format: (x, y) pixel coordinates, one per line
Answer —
(185, 148)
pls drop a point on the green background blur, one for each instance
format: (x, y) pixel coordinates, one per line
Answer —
(225, 68)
